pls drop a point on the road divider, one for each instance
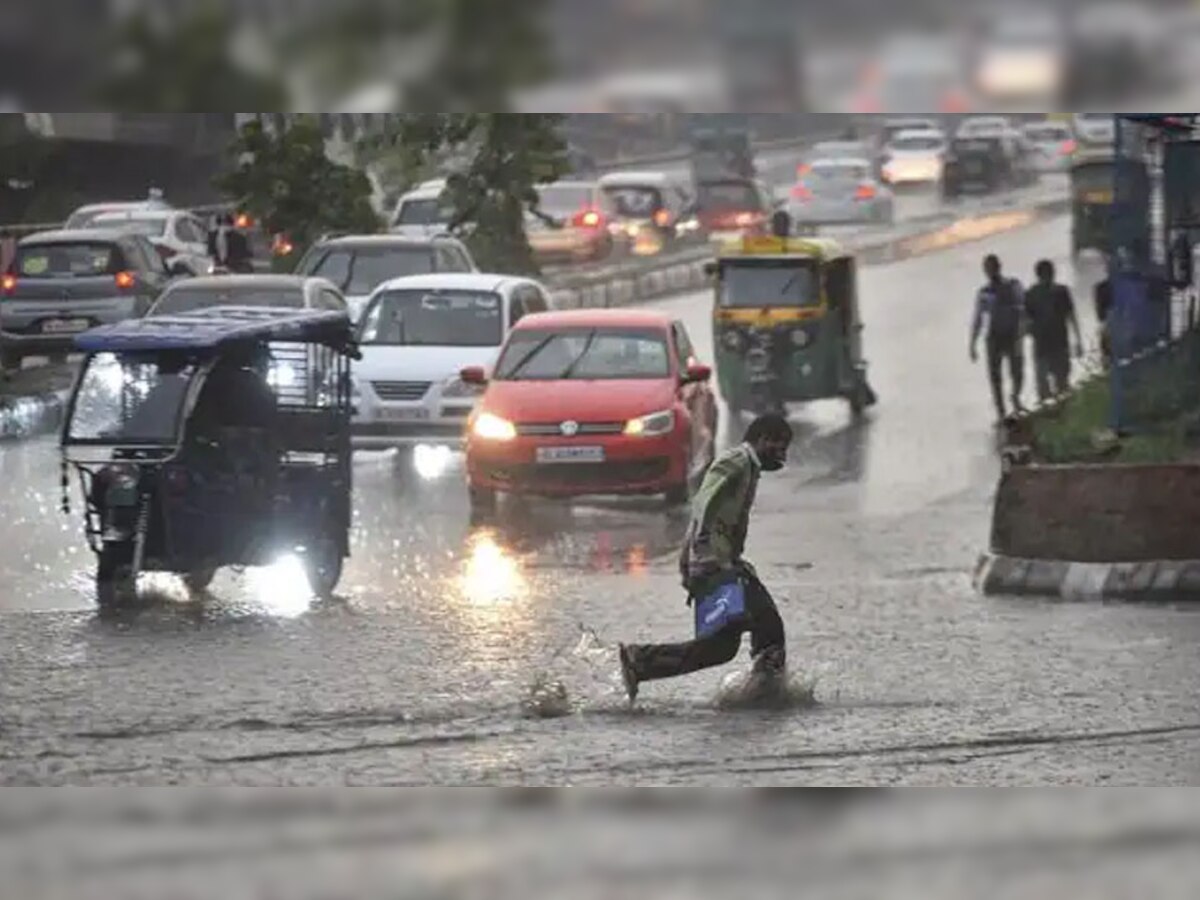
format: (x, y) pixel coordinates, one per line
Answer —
(642, 280)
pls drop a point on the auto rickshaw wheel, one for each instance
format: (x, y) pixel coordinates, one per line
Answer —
(198, 580)
(114, 577)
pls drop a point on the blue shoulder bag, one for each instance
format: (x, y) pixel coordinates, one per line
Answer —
(721, 607)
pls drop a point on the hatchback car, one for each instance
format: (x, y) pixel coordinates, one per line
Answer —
(178, 236)
(840, 192)
(358, 264)
(569, 224)
(61, 283)
(914, 157)
(416, 334)
(598, 401)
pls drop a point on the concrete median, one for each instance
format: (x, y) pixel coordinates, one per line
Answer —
(1096, 531)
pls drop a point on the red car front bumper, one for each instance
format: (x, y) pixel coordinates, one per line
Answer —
(622, 465)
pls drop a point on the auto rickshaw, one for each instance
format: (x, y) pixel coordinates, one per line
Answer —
(216, 438)
(786, 326)
(1094, 200)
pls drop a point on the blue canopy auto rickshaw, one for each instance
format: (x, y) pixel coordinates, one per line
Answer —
(216, 438)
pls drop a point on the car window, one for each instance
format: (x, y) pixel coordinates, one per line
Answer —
(584, 354)
(359, 270)
(142, 255)
(516, 308)
(424, 212)
(438, 318)
(534, 299)
(448, 259)
(190, 231)
(634, 202)
(83, 259)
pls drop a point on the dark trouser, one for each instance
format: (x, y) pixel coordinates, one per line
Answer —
(999, 349)
(1052, 365)
(654, 661)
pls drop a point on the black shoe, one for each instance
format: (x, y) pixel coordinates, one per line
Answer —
(628, 672)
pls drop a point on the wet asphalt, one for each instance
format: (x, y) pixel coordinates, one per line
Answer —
(421, 671)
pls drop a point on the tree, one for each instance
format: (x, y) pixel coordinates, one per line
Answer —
(287, 182)
(184, 68)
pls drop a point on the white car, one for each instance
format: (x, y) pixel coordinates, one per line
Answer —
(85, 216)
(1052, 145)
(423, 211)
(1095, 128)
(914, 157)
(180, 237)
(416, 334)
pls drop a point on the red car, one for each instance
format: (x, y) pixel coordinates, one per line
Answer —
(596, 401)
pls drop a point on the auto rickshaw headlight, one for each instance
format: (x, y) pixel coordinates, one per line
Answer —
(493, 428)
(652, 425)
(800, 338)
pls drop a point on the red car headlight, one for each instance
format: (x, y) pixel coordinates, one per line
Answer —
(651, 425)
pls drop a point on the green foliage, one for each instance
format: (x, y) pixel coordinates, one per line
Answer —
(184, 69)
(503, 157)
(288, 183)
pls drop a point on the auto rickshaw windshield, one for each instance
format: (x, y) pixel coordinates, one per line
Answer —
(130, 400)
(766, 283)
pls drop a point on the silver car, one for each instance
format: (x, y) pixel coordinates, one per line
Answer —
(291, 291)
(61, 283)
(840, 192)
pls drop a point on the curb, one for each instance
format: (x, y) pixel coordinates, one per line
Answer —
(1158, 580)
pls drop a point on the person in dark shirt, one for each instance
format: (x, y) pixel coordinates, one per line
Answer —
(1049, 309)
(1000, 303)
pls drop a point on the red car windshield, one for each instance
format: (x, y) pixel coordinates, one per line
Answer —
(584, 354)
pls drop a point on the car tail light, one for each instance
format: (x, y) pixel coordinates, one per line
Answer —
(281, 246)
(8, 283)
(589, 218)
(800, 192)
(662, 218)
(242, 221)
(125, 280)
(745, 219)
(865, 192)
(1067, 147)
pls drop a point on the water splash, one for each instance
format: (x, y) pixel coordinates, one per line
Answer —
(748, 689)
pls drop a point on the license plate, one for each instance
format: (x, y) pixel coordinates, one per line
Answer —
(570, 454)
(404, 415)
(65, 326)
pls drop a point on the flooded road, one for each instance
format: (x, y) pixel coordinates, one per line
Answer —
(421, 671)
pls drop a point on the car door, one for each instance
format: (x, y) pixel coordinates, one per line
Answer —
(695, 395)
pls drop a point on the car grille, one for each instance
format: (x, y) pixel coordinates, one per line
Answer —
(401, 390)
(601, 476)
(548, 429)
(416, 428)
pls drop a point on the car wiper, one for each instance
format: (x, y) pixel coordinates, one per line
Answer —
(570, 369)
(528, 357)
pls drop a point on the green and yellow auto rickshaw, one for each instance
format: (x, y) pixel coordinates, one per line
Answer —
(1096, 203)
(786, 325)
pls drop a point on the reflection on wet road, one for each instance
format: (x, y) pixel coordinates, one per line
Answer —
(417, 672)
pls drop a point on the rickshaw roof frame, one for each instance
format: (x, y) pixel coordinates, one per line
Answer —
(822, 249)
(210, 329)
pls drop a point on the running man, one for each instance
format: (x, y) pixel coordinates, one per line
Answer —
(1001, 302)
(712, 557)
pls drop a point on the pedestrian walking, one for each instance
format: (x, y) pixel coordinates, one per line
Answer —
(728, 597)
(1050, 309)
(1001, 303)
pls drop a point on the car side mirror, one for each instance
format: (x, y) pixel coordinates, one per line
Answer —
(697, 373)
(473, 375)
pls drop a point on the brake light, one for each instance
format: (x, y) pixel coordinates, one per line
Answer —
(589, 218)
(8, 283)
(800, 192)
(242, 221)
(662, 218)
(281, 246)
(1068, 147)
(125, 280)
(864, 192)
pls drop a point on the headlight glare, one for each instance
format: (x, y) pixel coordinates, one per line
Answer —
(493, 428)
(651, 425)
